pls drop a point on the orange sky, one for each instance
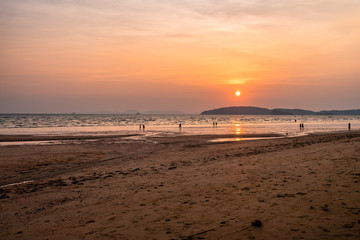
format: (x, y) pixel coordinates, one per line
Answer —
(190, 56)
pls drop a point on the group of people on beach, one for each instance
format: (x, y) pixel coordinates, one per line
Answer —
(302, 126)
(142, 126)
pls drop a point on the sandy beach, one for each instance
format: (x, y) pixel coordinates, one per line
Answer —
(183, 187)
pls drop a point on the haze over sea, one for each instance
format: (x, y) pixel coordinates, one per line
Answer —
(165, 125)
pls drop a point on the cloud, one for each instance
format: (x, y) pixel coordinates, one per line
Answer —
(113, 47)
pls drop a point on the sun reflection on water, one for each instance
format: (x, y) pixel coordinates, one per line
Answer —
(238, 129)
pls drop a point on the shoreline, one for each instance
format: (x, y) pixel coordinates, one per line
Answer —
(44, 137)
(178, 136)
(184, 187)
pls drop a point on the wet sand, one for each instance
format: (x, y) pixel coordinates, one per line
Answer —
(16, 138)
(183, 188)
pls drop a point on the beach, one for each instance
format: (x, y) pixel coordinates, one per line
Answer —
(182, 187)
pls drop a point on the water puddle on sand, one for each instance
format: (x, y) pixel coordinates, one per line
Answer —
(20, 143)
(218, 140)
(18, 183)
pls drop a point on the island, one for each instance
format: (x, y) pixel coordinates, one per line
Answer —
(249, 110)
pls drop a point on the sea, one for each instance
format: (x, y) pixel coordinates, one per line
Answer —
(168, 125)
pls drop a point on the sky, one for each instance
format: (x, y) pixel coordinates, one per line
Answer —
(186, 55)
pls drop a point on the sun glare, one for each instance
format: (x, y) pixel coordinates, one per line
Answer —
(237, 93)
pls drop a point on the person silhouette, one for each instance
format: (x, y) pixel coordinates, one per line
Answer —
(349, 126)
(143, 127)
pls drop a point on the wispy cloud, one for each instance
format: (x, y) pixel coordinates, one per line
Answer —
(207, 43)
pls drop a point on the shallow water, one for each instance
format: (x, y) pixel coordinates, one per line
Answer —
(167, 125)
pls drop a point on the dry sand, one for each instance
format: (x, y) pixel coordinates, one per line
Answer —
(183, 188)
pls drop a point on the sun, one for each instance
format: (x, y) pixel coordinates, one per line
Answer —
(237, 93)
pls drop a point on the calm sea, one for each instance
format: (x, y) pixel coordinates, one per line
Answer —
(164, 125)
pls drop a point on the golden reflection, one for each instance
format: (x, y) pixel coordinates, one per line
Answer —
(237, 139)
(237, 129)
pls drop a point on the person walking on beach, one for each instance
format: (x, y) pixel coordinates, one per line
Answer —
(349, 126)
(143, 127)
(179, 125)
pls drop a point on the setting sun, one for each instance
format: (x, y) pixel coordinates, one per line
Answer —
(237, 93)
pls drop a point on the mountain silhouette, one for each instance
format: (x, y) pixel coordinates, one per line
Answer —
(248, 110)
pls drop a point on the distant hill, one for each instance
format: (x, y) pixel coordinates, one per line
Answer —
(340, 112)
(293, 111)
(238, 111)
(277, 111)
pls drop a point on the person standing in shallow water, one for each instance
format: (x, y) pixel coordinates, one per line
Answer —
(349, 126)
(143, 127)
